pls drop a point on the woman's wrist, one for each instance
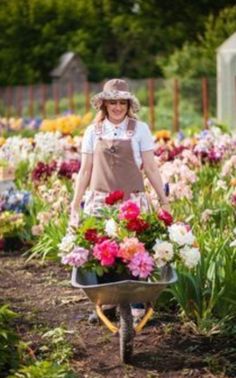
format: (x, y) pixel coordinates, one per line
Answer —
(164, 201)
(75, 205)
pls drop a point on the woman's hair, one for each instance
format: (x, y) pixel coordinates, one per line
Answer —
(102, 113)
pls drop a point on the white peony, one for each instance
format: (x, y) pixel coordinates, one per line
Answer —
(163, 252)
(180, 234)
(67, 243)
(190, 256)
(111, 227)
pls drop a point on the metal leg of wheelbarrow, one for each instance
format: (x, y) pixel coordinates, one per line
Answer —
(126, 330)
(126, 333)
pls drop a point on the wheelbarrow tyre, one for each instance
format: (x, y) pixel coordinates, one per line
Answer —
(126, 333)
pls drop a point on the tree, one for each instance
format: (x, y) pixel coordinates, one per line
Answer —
(199, 59)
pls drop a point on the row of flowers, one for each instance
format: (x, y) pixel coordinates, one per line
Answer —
(65, 124)
(200, 175)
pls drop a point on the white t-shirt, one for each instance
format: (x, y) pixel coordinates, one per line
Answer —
(141, 140)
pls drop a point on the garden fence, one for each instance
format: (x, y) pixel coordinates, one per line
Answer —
(172, 104)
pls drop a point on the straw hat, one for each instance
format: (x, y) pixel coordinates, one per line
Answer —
(115, 89)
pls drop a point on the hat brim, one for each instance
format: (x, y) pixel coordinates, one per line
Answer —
(98, 99)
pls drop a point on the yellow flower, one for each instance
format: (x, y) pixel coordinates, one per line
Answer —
(233, 182)
(86, 119)
(2, 141)
(48, 125)
(163, 135)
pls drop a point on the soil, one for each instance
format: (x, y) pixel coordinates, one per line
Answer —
(167, 348)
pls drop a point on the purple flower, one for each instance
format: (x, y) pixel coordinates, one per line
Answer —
(141, 265)
(77, 257)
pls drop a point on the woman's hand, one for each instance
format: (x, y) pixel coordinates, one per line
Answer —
(74, 217)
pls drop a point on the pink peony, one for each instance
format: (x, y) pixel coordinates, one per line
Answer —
(77, 257)
(130, 247)
(106, 252)
(233, 199)
(141, 265)
(129, 210)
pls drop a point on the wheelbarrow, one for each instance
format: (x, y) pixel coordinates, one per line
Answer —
(123, 294)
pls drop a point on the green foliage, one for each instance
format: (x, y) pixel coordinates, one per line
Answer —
(43, 369)
(9, 356)
(46, 245)
(207, 295)
(199, 58)
(113, 38)
(57, 349)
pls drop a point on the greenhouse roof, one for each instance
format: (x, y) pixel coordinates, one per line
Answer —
(229, 44)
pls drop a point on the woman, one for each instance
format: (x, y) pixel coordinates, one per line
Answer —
(114, 149)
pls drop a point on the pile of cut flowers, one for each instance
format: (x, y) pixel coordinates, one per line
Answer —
(122, 239)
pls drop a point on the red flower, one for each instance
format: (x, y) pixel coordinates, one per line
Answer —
(2, 244)
(91, 235)
(114, 197)
(67, 168)
(102, 238)
(138, 225)
(166, 217)
(43, 170)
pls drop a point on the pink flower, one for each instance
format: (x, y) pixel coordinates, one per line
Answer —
(77, 257)
(130, 247)
(129, 211)
(141, 265)
(106, 252)
(233, 199)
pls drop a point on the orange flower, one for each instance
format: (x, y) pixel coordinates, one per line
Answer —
(129, 247)
(233, 182)
(163, 134)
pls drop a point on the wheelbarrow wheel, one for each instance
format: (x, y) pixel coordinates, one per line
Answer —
(126, 333)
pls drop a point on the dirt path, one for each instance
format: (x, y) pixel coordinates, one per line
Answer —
(42, 295)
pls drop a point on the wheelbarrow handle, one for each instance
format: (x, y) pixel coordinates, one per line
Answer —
(105, 320)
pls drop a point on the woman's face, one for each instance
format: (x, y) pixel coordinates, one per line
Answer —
(116, 110)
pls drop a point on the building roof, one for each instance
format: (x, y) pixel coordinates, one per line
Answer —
(229, 44)
(65, 59)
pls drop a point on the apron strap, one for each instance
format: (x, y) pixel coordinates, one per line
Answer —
(98, 128)
(131, 127)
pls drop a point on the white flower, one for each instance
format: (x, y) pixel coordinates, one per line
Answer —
(206, 215)
(163, 250)
(221, 185)
(67, 243)
(111, 227)
(180, 234)
(233, 243)
(190, 256)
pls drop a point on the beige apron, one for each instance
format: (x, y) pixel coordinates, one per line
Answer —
(114, 168)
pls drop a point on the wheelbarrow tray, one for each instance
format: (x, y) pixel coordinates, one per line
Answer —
(122, 292)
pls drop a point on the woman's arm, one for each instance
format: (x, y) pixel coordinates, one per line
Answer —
(81, 184)
(153, 175)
